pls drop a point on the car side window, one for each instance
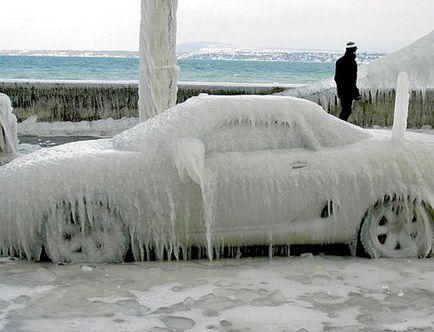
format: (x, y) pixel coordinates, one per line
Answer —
(243, 136)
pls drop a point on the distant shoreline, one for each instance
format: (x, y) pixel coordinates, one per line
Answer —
(205, 55)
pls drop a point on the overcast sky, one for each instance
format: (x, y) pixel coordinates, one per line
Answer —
(376, 25)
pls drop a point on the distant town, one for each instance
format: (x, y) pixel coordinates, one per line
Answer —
(209, 52)
(300, 56)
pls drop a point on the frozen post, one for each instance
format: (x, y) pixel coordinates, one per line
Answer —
(401, 108)
(158, 78)
(8, 126)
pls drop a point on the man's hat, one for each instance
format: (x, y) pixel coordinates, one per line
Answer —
(351, 45)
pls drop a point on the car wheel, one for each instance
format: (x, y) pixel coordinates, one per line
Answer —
(397, 228)
(85, 232)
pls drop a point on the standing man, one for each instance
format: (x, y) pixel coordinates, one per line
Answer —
(346, 80)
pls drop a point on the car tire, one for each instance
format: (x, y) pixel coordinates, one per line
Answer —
(86, 232)
(397, 228)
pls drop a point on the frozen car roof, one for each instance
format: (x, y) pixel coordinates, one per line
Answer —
(200, 117)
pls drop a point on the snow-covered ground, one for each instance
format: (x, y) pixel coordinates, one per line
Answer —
(306, 293)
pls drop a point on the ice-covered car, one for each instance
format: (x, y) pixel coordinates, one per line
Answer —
(221, 172)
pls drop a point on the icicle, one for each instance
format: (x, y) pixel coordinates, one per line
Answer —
(401, 108)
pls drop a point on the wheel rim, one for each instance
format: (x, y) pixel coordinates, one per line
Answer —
(397, 229)
(89, 232)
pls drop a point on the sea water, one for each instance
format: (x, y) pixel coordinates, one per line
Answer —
(192, 70)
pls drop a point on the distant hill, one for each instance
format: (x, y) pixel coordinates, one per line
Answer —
(302, 56)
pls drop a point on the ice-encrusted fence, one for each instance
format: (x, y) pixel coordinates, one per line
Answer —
(72, 102)
(93, 101)
(79, 102)
(376, 107)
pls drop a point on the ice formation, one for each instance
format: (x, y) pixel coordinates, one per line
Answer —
(99, 128)
(8, 126)
(416, 59)
(297, 294)
(401, 107)
(213, 172)
(323, 92)
(158, 71)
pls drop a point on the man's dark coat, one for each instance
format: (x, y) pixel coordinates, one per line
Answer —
(346, 77)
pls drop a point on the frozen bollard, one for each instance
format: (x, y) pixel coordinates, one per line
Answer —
(401, 108)
(8, 126)
(158, 77)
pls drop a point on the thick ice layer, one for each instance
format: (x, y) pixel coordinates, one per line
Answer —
(416, 59)
(323, 92)
(158, 71)
(307, 293)
(401, 107)
(210, 173)
(8, 126)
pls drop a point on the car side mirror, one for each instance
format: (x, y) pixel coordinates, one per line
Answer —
(189, 158)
